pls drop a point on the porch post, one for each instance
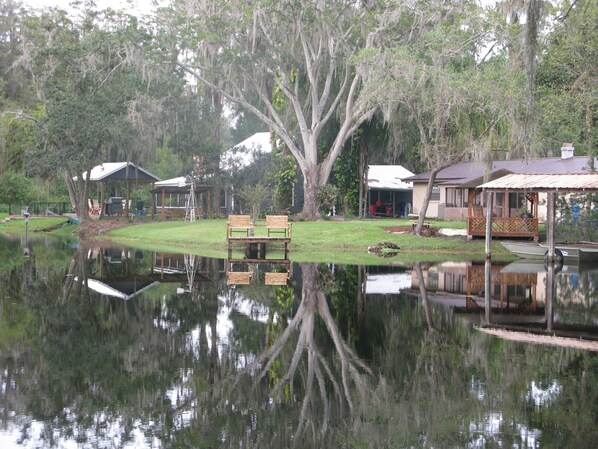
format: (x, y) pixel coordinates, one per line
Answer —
(550, 216)
(549, 310)
(488, 290)
(489, 201)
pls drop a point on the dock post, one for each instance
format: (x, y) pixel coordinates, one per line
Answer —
(489, 206)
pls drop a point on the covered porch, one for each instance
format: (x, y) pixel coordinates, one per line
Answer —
(514, 214)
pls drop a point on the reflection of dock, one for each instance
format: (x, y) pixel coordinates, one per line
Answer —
(464, 304)
(568, 338)
(244, 271)
(258, 245)
(518, 301)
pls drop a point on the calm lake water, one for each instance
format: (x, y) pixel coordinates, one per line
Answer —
(103, 346)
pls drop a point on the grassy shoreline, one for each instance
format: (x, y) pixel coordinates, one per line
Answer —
(319, 241)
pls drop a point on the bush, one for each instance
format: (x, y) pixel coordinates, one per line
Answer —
(16, 188)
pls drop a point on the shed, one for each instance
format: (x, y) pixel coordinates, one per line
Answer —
(388, 194)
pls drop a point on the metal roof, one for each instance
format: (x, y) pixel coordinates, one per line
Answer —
(389, 177)
(548, 182)
(463, 172)
(112, 171)
(180, 181)
(180, 184)
(245, 153)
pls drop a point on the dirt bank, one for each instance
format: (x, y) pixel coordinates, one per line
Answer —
(94, 228)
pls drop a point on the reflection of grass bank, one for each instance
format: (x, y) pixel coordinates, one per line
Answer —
(322, 241)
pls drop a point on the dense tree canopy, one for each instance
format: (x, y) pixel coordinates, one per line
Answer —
(426, 82)
(568, 80)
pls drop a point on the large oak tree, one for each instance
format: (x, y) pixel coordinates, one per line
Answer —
(295, 57)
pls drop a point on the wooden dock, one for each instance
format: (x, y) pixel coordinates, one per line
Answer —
(257, 244)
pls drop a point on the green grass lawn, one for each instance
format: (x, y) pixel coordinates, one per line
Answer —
(318, 241)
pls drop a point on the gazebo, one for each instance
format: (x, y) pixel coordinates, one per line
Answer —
(118, 171)
(173, 198)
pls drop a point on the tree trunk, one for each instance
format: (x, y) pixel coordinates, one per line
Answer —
(589, 137)
(362, 179)
(426, 202)
(311, 187)
(78, 196)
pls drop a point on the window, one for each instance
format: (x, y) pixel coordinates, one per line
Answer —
(499, 198)
(456, 197)
(517, 200)
(435, 194)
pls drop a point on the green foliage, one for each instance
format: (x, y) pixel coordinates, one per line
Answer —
(168, 164)
(328, 197)
(257, 197)
(580, 225)
(345, 176)
(18, 136)
(15, 188)
(284, 176)
(567, 89)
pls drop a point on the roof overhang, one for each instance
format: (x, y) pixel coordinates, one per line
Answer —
(566, 183)
(119, 171)
(389, 177)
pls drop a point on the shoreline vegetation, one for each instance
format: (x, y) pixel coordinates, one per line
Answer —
(336, 241)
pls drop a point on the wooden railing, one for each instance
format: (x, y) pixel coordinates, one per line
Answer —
(503, 227)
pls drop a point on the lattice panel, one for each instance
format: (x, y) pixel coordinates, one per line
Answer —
(520, 227)
(476, 277)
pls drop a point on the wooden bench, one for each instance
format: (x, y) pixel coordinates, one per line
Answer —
(238, 223)
(278, 224)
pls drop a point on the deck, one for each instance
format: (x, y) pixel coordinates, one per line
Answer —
(504, 227)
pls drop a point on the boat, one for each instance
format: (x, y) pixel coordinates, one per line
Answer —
(572, 254)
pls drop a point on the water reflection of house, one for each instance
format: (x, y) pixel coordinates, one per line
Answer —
(386, 282)
(516, 286)
(122, 289)
(462, 285)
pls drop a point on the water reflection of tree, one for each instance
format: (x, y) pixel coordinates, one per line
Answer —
(307, 380)
(97, 368)
(91, 367)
